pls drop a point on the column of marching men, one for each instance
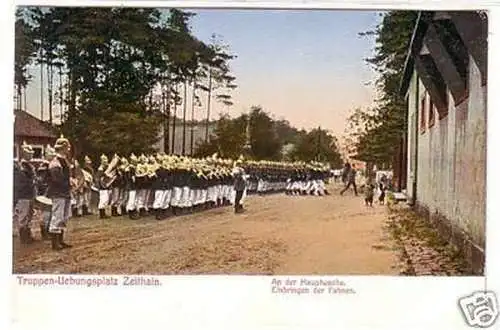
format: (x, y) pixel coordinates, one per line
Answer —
(294, 178)
(155, 185)
(162, 185)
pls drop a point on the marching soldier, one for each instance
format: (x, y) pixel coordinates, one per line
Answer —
(131, 186)
(88, 172)
(78, 189)
(122, 201)
(159, 188)
(142, 183)
(103, 188)
(152, 166)
(117, 188)
(42, 187)
(24, 193)
(59, 191)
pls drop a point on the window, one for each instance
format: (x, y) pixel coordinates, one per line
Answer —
(422, 113)
(38, 152)
(432, 117)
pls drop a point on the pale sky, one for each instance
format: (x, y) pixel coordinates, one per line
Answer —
(305, 66)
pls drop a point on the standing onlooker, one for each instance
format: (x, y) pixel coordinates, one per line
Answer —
(239, 185)
(351, 180)
(24, 193)
(59, 191)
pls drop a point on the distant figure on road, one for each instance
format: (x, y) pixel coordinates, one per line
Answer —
(239, 185)
(345, 171)
(351, 179)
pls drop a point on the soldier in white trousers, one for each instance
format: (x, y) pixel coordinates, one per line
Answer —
(104, 190)
(59, 191)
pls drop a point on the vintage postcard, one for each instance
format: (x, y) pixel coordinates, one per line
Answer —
(253, 165)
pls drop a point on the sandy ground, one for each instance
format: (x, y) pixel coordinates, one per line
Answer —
(278, 234)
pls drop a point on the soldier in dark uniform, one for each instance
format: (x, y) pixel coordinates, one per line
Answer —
(239, 185)
(24, 193)
(118, 189)
(142, 185)
(159, 186)
(42, 187)
(130, 187)
(87, 195)
(59, 191)
(103, 189)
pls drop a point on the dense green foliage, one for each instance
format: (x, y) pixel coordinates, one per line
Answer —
(121, 67)
(269, 139)
(375, 132)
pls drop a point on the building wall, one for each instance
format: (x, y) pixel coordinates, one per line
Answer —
(412, 136)
(451, 165)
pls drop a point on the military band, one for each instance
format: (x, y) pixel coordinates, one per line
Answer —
(149, 185)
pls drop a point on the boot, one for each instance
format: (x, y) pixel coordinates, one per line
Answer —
(142, 213)
(43, 232)
(85, 210)
(114, 211)
(61, 241)
(133, 215)
(54, 238)
(28, 237)
(102, 214)
(74, 212)
(22, 235)
(123, 210)
(157, 213)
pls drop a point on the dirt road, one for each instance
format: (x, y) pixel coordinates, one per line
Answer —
(279, 234)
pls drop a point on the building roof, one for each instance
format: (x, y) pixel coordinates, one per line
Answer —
(415, 44)
(26, 125)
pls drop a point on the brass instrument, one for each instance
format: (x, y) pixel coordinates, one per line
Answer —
(111, 173)
(88, 177)
(151, 170)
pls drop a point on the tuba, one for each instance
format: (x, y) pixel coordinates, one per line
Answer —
(111, 173)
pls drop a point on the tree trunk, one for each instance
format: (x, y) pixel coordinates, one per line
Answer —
(72, 94)
(208, 103)
(50, 76)
(25, 100)
(166, 140)
(61, 109)
(184, 100)
(19, 93)
(193, 99)
(164, 121)
(41, 90)
(174, 119)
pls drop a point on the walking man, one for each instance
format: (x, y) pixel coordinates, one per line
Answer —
(351, 180)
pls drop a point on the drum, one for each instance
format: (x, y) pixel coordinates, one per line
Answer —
(43, 203)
